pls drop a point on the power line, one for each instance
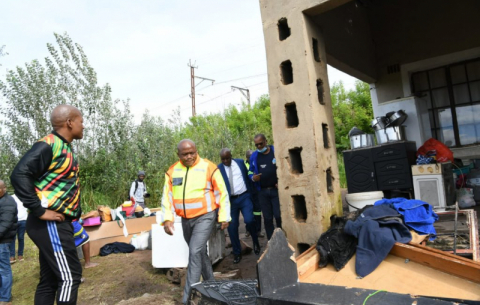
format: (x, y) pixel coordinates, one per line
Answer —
(246, 77)
(223, 82)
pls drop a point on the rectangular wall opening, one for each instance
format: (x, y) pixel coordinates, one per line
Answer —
(320, 91)
(296, 164)
(291, 115)
(325, 135)
(302, 247)
(329, 180)
(316, 54)
(286, 70)
(283, 29)
(299, 208)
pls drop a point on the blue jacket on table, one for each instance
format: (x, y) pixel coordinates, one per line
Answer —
(253, 170)
(243, 169)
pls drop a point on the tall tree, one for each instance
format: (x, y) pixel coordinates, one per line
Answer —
(66, 77)
(350, 108)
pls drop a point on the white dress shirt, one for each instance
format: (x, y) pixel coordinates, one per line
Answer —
(238, 183)
(22, 211)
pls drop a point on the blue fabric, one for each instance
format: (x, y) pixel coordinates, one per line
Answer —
(6, 278)
(270, 205)
(254, 168)
(418, 215)
(242, 203)
(243, 169)
(21, 239)
(377, 230)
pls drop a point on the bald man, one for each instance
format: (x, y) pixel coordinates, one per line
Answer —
(46, 181)
(195, 190)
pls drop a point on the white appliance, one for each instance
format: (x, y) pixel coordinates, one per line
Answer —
(172, 251)
(434, 184)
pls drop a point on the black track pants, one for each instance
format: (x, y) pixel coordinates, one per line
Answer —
(60, 268)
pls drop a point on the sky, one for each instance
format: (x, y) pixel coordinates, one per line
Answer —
(142, 48)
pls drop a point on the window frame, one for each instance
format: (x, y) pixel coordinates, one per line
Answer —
(432, 109)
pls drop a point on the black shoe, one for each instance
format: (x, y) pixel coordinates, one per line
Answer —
(237, 258)
(256, 248)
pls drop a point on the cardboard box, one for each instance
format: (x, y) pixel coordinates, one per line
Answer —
(110, 232)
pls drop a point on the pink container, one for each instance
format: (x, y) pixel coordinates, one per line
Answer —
(92, 221)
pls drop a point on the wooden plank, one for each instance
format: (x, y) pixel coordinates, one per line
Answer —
(307, 262)
(395, 275)
(439, 260)
(301, 258)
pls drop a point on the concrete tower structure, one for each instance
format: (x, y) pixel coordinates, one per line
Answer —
(302, 119)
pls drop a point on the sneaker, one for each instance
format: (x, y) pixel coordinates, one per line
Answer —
(12, 260)
(260, 234)
(20, 258)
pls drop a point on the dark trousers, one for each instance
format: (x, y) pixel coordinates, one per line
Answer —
(242, 203)
(21, 225)
(60, 268)
(196, 232)
(270, 204)
(257, 211)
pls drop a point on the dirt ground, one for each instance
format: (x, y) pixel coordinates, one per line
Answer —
(122, 279)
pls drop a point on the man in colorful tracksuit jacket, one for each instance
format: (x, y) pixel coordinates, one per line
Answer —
(46, 181)
(195, 190)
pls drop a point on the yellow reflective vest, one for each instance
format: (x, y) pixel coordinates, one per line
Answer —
(194, 191)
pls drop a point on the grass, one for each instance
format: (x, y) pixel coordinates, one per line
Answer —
(26, 275)
(118, 277)
(341, 171)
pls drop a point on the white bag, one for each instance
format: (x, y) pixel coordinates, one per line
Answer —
(117, 213)
(140, 242)
(465, 198)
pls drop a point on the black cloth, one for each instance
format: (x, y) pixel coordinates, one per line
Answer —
(116, 247)
(335, 246)
(31, 167)
(60, 268)
(268, 168)
(377, 229)
(8, 219)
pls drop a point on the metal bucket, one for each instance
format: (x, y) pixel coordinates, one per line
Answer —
(362, 140)
(395, 133)
(381, 136)
(379, 123)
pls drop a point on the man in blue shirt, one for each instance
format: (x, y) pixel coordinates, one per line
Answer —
(263, 172)
(238, 187)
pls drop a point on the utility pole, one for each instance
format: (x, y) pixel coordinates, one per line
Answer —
(192, 83)
(242, 91)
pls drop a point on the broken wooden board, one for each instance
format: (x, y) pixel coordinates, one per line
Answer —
(277, 267)
(394, 274)
(439, 260)
(425, 274)
(467, 233)
(307, 262)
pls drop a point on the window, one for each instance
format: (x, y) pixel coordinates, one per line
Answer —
(452, 97)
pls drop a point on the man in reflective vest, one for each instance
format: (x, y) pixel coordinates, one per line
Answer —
(195, 189)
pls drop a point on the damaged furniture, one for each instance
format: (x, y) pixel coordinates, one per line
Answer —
(411, 274)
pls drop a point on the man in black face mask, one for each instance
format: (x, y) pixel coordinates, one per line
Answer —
(263, 172)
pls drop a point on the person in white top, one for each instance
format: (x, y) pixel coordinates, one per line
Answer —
(239, 187)
(138, 190)
(22, 221)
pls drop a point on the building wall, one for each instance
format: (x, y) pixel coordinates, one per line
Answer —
(314, 136)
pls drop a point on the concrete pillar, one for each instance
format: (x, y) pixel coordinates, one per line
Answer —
(302, 119)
